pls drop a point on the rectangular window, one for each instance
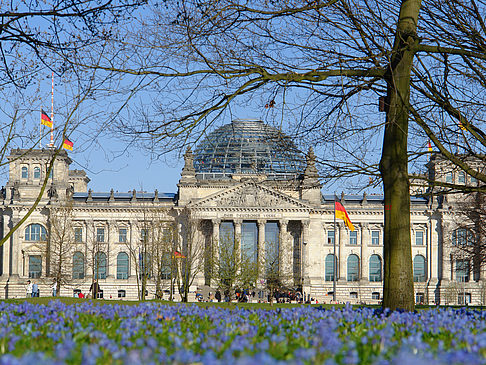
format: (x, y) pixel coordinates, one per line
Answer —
(353, 238)
(166, 267)
(330, 237)
(78, 234)
(35, 266)
(122, 235)
(461, 178)
(464, 298)
(144, 235)
(419, 298)
(462, 271)
(249, 241)
(375, 237)
(100, 234)
(449, 177)
(419, 238)
(375, 295)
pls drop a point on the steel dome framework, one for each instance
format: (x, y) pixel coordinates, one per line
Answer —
(248, 147)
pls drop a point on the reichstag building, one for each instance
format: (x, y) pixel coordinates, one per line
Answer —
(247, 182)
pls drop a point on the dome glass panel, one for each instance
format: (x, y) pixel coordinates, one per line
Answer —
(248, 147)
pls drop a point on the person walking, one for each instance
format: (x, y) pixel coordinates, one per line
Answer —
(54, 288)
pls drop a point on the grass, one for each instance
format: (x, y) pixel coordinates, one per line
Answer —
(68, 300)
(230, 306)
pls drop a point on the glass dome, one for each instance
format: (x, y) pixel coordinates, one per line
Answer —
(248, 147)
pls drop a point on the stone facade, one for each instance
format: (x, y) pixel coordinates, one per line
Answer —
(109, 227)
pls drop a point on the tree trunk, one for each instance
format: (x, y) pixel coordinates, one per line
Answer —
(398, 276)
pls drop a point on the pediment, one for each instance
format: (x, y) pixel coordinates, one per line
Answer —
(250, 195)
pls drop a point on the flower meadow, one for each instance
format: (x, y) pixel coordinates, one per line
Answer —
(152, 333)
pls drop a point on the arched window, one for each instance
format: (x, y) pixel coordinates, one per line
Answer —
(462, 236)
(329, 267)
(419, 269)
(25, 172)
(353, 268)
(122, 266)
(78, 265)
(35, 232)
(375, 268)
(100, 265)
(37, 172)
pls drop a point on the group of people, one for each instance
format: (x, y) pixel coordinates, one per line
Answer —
(32, 289)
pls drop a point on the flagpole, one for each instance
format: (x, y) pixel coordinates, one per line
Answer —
(52, 111)
(334, 256)
(40, 129)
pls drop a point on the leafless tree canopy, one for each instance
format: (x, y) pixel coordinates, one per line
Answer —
(316, 68)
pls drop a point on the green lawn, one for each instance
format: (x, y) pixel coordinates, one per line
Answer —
(68, 300)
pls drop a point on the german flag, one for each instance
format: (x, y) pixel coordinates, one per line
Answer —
(45, 120)
(67, 144)
(342, 214)
(178, 255)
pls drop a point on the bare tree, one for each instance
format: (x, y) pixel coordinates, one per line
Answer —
(38, 38)
(318, 64)
(61, 245)
(469, 235)
(191, 262)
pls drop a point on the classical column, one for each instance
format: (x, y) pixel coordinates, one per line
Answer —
(363, 262)
(133, 253)
(432, 242)
(237, 223)
(15, 239)
(6, 249)
(304, 254)
(110, 268)
(285, 254)
(261, 246)
(215, 243)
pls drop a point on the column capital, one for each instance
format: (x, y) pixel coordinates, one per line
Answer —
(216, 221)
(283, 222)
(261, 222)
(237, 221)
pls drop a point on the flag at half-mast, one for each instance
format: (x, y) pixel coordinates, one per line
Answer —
(342, 214)
(45, 120)
(67, 144)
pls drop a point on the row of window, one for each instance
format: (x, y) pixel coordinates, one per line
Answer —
(101, 265)
(375, 237)
(24, 172)
(461, 178)
(37, 232)
(375, 268)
